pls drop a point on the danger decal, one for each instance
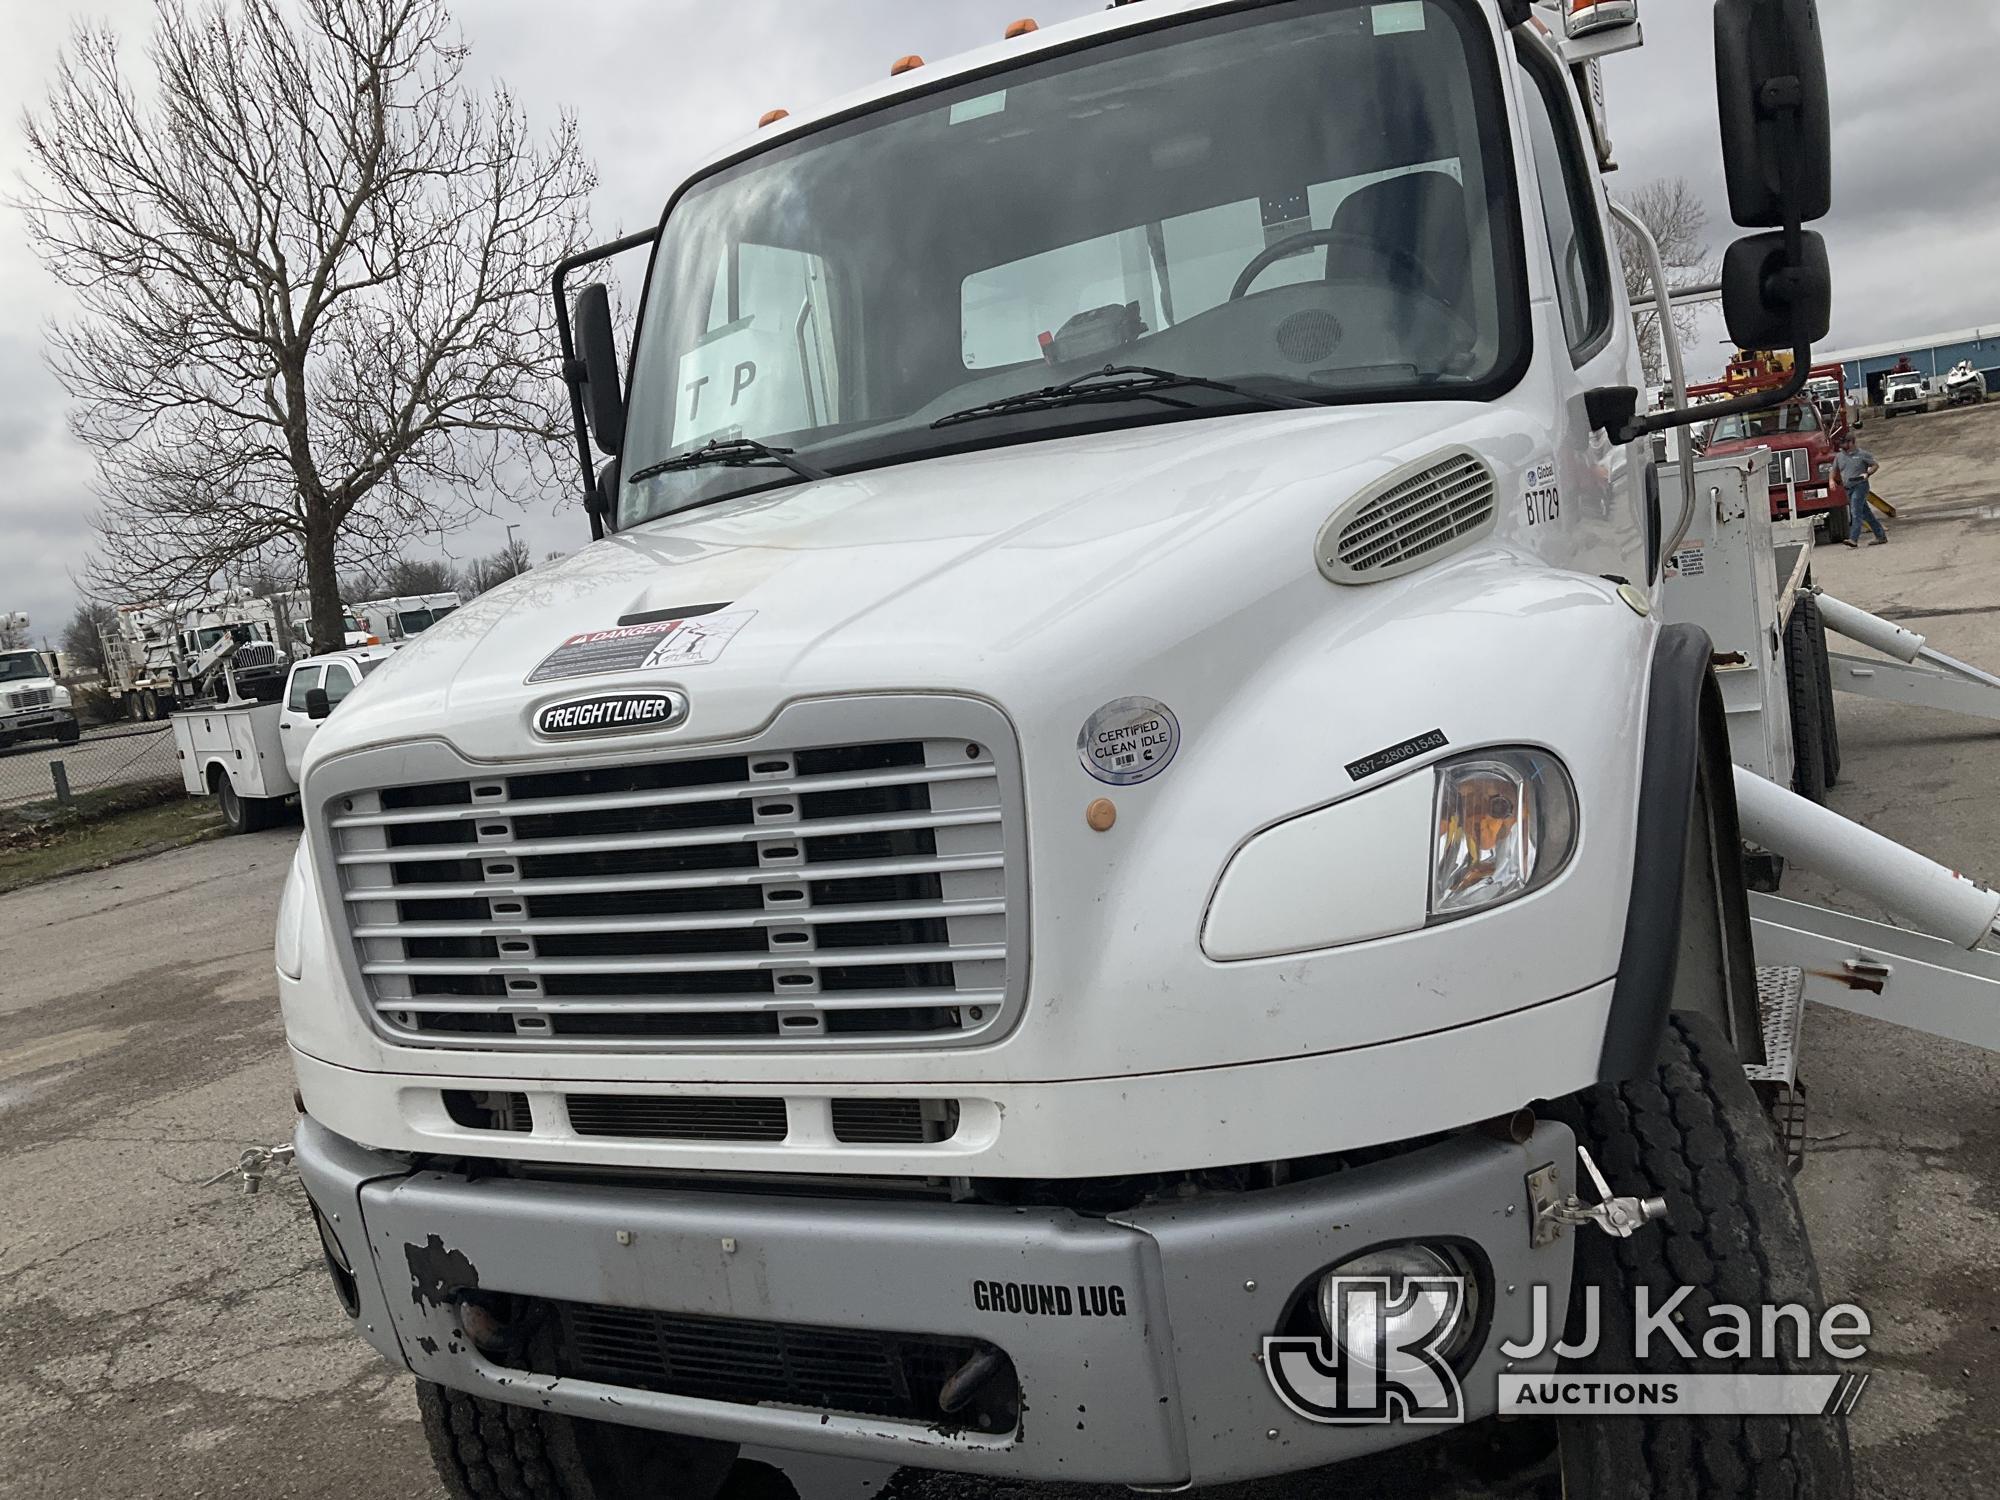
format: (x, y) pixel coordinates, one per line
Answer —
(657, 645)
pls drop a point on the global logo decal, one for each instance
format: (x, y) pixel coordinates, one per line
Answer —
(610, 713)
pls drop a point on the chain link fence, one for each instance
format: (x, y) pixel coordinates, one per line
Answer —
(37, 772)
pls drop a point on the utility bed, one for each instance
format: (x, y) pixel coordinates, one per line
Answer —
(238, 744)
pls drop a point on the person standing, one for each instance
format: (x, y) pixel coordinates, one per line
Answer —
(1856, 466)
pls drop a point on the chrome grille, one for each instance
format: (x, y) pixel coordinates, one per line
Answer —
(34, 698)
(828, 896)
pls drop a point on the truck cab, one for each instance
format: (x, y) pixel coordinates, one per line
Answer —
(1115, 778)
(1905, 392)
(33, 705)
(332, 677)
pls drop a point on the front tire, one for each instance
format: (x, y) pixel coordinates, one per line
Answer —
(1693, 1131)
(485, 1450)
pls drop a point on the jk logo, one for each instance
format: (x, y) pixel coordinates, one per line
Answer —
(1381, 1361)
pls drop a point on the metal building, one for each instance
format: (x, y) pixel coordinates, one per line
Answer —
(1932, 357)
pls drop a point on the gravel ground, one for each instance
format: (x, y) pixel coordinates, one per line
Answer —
(160, 1338)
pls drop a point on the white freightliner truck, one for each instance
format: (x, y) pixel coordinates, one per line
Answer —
(1115, 779)
(33, 705)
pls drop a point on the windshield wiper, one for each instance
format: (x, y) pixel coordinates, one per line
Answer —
(1116, 383)
(729, 453)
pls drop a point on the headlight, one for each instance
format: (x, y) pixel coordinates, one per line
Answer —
(61, 699)
(1441, 1313)
(1505, 825)
(292, 917)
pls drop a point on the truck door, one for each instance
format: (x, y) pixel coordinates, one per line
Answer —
(294, 728)
(1595, 508)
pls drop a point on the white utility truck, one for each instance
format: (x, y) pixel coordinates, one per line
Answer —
(33, 705)
(245, 748)
(158, 654)
(1109, 872)
(405, 615)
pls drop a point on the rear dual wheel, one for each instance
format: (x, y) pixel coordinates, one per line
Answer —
(1809, 682)
(245, 814)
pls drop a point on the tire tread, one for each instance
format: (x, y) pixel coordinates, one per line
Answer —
(1696, 1135)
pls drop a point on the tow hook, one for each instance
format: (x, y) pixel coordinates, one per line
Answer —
(1620, 1218)
(967, 1380)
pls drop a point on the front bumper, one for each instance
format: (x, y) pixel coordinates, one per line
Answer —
(1171, 1392)
(36, 722)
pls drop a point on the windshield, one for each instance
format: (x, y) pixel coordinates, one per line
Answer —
(414, 621)
(1303, 199)
(20, 666)
(1757, 425)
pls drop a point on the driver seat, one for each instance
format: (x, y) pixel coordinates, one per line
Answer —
(1422, 214)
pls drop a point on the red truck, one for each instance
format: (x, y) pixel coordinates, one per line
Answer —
(1803, 436)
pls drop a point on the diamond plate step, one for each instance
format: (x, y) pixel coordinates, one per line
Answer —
(1781, 1005)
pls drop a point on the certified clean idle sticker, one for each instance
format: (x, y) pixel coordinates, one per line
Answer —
(656, 645)
(1129, 740)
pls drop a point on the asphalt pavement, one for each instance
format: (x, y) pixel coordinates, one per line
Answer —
(164, 1338)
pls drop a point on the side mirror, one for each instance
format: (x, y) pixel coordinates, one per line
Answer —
(1771, 303)
(318, 706)
(1777, 129)
(599, 352)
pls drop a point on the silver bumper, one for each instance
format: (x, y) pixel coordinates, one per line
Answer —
(1169, 1392)
(36, 720)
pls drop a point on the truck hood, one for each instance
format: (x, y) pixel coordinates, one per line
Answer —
(1014, 567)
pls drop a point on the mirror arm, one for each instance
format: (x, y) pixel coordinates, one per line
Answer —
(572, 367)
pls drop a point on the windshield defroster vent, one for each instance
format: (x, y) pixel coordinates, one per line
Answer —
(1418, 515)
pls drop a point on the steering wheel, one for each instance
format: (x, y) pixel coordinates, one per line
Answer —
(1395, 257)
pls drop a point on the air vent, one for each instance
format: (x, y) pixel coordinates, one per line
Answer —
(677, 1117)
(1418, 515)
(894, 1122)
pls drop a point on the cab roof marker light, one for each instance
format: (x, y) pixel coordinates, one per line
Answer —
(772, 116)
(903, 65)
(1022, 27)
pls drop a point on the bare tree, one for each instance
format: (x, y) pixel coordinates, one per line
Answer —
(1670, 207)
(494, 569)
(83, 637)
(398, 576)
(310, 263)
(13, 632)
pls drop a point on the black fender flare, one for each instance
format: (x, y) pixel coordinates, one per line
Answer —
(1686, 745)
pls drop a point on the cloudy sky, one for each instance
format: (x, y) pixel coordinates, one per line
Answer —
(659, 83)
